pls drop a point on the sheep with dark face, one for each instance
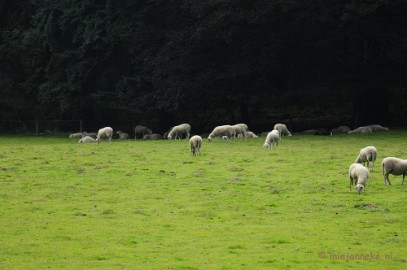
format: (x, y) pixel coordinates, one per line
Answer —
(177, 132)
(226, 131)
(104, 133)
(358, 175)
(140, 131)
(195, 143)
(282, 129)
(367, 155)
(394, 166)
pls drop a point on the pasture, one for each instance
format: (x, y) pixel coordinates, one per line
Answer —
(151, 205)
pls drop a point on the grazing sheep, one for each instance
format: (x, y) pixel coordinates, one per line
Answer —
(378, 128)
(195, 143)
(90, 134)
(178, 131)
(154, 136)
(87, 139)
(340, 129)
(221, 131)
(122, 135)
(361, 130)
(140, 131)
(367, 155)
(282, 130)
(241, 129)
(272, 139)
(104, 133)
(358, 175)
(76, 135)
(249, 134)
(394, 166)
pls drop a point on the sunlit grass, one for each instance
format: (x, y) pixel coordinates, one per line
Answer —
(151, 205)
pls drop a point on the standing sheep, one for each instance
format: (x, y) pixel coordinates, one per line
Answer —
(195, 144)
(104, 133)
(241, 129)
(87, 139)
(367, 155)
(272, 139)
(178, 131)
(361, 130)
(394, 166)
(282, 130)
(122, 135)
(222, 131)
(358, 175)
(140, 131)
(76, 135)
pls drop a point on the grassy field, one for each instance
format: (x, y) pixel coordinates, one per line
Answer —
(151, 205)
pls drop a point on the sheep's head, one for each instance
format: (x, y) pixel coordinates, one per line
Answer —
(359, 188)
(209, 139)
(266, 145)
(169, 137)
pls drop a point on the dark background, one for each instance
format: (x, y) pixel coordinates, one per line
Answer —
(120, 63)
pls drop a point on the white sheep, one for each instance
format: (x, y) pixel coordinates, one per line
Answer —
(358, 175)
(154, 136)
(367, 155)
(195, 143)
(221, 131)
(361, 130)
(87, 139)
(106, 132)
(240, 129)
(141, 131)
(282, 130)
(272, 139)
(394, 166)
(178, 131)
(340, 129)
(90, 134)
(76, 135)
(122, 135)
(251, 134)
(378, 128)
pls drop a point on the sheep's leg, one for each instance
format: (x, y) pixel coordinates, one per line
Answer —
(404, 175)
(386, 176)
(350, 183)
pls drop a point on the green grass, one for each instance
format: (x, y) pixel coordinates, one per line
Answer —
(151, 205)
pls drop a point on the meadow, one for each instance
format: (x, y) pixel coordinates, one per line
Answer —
(152, 205)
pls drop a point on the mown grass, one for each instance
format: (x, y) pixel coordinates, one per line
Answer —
(151, 205)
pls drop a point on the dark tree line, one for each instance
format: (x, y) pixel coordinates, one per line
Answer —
(210, 62)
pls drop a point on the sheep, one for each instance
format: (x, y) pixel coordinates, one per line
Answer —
(340, 129)
(394, 166)
(106, 132)
(178, 131)
(122, 135)
(378, 128)
(249, 134)
(221, 131)
(195, 143)
(141, 131)
(272, 139)
(282, 130)
(358, 175)
(361, 130)
(241, 129)
(154, 136)
(90, 134)
(76, 135)
(87, 139)
(367, 155)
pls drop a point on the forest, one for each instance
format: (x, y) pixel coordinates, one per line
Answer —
(309, 63)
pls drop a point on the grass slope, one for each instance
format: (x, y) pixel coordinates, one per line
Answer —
(151, 205)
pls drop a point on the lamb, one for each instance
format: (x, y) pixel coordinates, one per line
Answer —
(361, 130)
(378, 128)
(272, 139)
(76, 135)
(141, 131)
(178, 131)
(122, 135)
(358, 175)
(367, 155)
(394, 166)
(241, 129)
(195, 143)
(221, 131)
(103, 133)
(340, 129)
(87, 139)
(154, 136)
(282, 130)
